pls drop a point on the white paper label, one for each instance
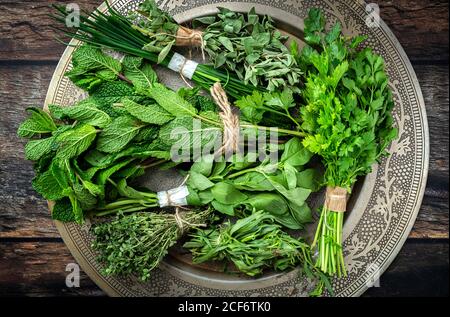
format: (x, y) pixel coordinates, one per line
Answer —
(173, 197)
(176, 64)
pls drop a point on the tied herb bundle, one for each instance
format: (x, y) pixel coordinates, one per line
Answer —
(245, 44)
(136, 243)
(238, 187)
(347, 120)
(116, 32)
(279, 188)
(253, 244)
(250, 46)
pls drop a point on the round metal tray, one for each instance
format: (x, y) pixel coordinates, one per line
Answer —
(384, 204)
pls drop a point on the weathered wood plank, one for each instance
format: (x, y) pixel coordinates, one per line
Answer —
(421, 27)
(38, 269)
(24, 214)
(25, 29)
(420, 269)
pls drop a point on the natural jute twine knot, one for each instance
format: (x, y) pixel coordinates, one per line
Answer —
(230, 142)
(182, 223)
(190, 37)
(336, 199)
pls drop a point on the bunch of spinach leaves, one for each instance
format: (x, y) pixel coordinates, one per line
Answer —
(240, 187)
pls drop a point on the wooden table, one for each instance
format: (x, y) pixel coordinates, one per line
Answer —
(33, 257)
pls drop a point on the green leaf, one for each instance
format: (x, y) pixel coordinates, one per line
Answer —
(301, 213)
(35, 149)
(226, 193)
(251, 107)
(153, 114)
(47, 185)
(127, 191)
(334, 34)
(85, 112)
(62, 211)
(109, 93)
(225, 41)
(296, 195)
(223, 208)
(171, 101)
(87, 58)
(199, 181)
(84, 199)
(118, 134)
(39, 122)
(142, 76)
(203, 166)
(184, 134)
(290, 173)
(269, 202)
(338, 73)
(253, 181)
(103, 175)
(283, 100)
(295, 153)
(166, 50)
(310, 179)
(73, 142)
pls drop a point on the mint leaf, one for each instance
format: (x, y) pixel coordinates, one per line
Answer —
(85, 112)
(88, 58)
(62, 211)
(153, 114)
(39, 122)
(142, 76)
(118, 134)
(109, 93)
(74, 142)
(48, 186)
(171, 101)
(35, 149)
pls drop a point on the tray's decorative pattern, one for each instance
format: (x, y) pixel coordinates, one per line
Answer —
(392, 205)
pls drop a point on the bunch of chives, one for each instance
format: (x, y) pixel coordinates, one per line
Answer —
(114, 31)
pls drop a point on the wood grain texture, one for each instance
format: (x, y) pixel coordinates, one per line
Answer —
(420, 26)
(25, 33)
(40, 270)
(24, 213)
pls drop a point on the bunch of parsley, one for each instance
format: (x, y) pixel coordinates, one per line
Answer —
(346, 117)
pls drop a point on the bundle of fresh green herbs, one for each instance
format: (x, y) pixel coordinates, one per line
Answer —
(136, 243)
(250, 46)
(247, 45)
(347, 120)
(238, 187)
(253, 244)
(87, 156)
(78, 150)
(114, 31)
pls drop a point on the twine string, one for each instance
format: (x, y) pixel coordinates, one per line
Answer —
(230, 121)
(181, 73)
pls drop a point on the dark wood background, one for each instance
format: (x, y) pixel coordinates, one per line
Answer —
(33, 257)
